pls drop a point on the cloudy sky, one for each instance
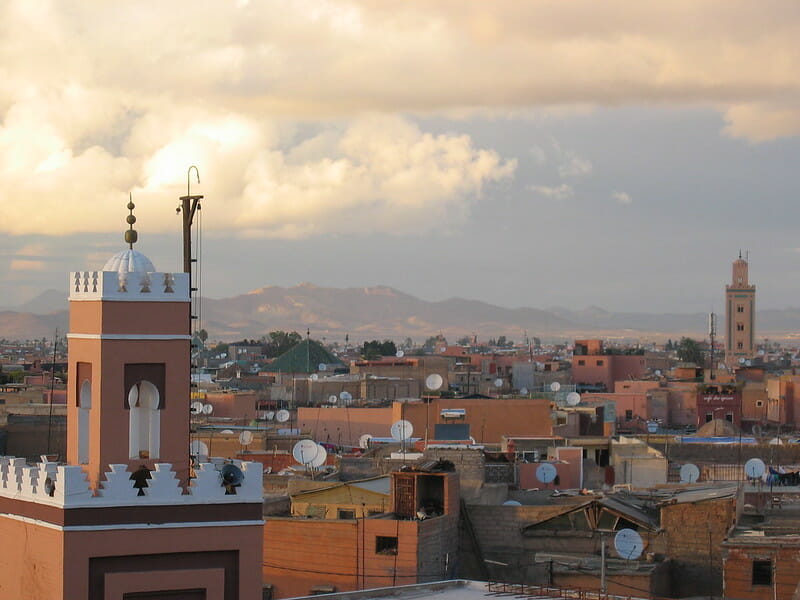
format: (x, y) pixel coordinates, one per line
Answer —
(535, 153)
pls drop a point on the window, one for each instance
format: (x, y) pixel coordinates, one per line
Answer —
(84, 405)
(144, 421)
(740, 309)
(599, 363)
(739, 345)
(740, 327)
(729, 417)
(581, 363)
(709, 417)
(628, 415)
(759, 403)
(385, 545)
(343, 513)
(762, 572)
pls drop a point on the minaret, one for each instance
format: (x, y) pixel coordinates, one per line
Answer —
(740, 314)
(128, 395)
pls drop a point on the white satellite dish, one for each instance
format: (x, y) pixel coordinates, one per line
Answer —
(524, 391)
(573, 399)
(270, 415)
(776, 441)
(363, 441)
(555, 386)
(444, 348)
(689, 473)
(546, 472)
(198, 448)
(754, 468)
(246, 438)
(320, 458)
(314, 377)
(512, 503)
(207, 409)
(345, 397)
(282, 415)
(498, 383)
(657, 372)
(400, 354)
(333, 398)
(305, 451)
(227, 432)
(322, 367)
(748, 363)
(401, 430)
(197, 407)
(628, 544)
(742, 360)
(434, 381)
(761, 353)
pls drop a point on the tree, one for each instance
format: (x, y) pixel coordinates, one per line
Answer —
(279, 342)
(463, 341)
(203, 335)
(689, 351)
(375, 349)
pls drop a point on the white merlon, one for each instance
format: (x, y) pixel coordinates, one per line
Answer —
(66, 486)
(129, 286)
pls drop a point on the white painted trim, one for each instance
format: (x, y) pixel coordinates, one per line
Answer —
(125, 526)
(177, 300)
(127, 336)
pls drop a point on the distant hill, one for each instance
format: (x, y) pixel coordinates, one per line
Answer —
(383, 312)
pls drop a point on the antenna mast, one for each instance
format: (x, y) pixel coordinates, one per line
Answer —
(712, 332)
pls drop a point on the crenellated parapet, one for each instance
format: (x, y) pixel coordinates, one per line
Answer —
(129, 286)
(66, 486)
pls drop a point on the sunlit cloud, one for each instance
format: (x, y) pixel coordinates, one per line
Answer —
(622, 197)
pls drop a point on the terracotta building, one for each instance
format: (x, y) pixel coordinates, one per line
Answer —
(594, 369)
(122, 519)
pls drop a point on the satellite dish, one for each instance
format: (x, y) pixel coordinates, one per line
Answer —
(628, 544)
(314, 377)
(198, 448)
(246, 438)
(320, 458)
(345, 397)
(400, 354)
(433, 381)
(657, 372)
(741, 360)
(754, 468)
(689, 473)
(227, 432)
(546, 472)
(761, 353)
(305, 451)
(232, 477)
(197, 407)
(498, 383)
(270, 415)
(363, 441)
(444, 348)
(512, 503)
(555, 386)
(776, 441)
(573, 399)
(282, 415)
(401, 430)
(322, 367)
(524, 391)
(333, 398)
(207, 409)
(748, 363)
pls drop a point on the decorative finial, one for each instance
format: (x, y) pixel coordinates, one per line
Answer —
(740, 255)
(131, 236)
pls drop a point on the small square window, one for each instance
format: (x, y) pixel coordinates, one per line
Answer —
(762, 572)
(581, 363)
(343, 513)
(740, 309)
(386, 545)
(599, 363)
(759, 403)
(628, 415)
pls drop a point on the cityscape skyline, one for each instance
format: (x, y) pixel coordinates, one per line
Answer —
(553, 155)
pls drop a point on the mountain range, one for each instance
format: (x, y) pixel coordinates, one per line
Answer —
(384, 312)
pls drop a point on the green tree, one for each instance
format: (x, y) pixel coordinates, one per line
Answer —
(203, 335)
(375, 349)
(279, 342)
(463, 341)
(689, 351)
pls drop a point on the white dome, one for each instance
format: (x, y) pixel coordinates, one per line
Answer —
(129, 261)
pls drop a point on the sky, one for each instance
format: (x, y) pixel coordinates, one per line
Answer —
(544, 153)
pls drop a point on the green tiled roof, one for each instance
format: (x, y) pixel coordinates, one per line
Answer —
(305, 357)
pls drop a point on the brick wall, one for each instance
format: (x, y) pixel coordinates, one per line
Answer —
(739, 570)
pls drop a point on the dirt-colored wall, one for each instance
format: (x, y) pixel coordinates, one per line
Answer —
(32, 561)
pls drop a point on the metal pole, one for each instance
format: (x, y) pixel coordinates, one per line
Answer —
(602, 564)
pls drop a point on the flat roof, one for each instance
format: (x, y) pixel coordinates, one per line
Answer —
(461, 589)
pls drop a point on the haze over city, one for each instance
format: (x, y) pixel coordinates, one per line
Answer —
(523, 154)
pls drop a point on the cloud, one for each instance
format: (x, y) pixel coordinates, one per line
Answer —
(26, 265)
(558, 192)
(570, 164)
(622, 197)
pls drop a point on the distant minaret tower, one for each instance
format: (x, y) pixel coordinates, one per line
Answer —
(740, 315)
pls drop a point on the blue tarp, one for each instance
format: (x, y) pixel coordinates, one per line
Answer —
(685, 439)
